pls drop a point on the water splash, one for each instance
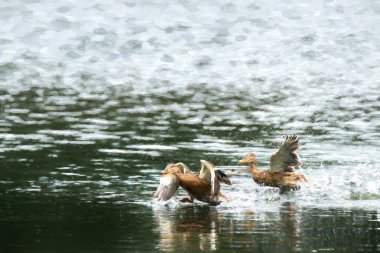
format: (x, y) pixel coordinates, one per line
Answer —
(340, 187)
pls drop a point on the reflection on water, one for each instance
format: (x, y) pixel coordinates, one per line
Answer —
(65, 224)
(195, 228)
(189, 228)
(103, 155)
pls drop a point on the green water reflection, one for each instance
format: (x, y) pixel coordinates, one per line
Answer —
(65, 224)
(78, 172)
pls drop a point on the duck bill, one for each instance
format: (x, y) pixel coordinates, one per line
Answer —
(242, 161)
(167, 169)
(246, 161)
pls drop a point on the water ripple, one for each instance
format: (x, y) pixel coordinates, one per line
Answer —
(133, 86)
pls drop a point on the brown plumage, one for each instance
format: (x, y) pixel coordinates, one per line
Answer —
(281, 172)
(204, 186)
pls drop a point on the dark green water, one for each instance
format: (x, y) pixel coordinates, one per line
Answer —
(79, 169)
(97, 96)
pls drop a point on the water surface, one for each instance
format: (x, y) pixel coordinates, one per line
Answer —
(97, 97)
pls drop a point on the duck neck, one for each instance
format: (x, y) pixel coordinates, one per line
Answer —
(253, 166)
(251, 169)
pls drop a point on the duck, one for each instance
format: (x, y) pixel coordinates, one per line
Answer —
(281, 172)
(203, 186)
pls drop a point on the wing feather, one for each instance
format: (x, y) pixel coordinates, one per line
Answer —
(167, 188)
(185, 168)
(214, 176)
(208, 173)
(286, 158)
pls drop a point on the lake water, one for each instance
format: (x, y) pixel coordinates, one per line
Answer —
(98, 96)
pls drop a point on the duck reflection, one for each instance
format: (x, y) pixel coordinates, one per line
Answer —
(188, 228)
(290, 224)
(195, 228)
(272, 230)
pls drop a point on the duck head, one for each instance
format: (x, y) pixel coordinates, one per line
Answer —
(249, 158)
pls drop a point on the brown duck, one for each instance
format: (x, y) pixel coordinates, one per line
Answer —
(281, 172)
(204, 186)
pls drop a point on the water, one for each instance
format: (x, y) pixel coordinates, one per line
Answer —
(97, 97)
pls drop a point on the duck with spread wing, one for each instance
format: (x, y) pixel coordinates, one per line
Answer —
(281, 173)
(203, 186)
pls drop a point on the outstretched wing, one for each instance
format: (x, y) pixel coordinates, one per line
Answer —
(185, 168)
(208, 173)
(214, 176)
(168, 187)
(286, 158)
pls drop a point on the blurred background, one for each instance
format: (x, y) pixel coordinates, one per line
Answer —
(96, 97)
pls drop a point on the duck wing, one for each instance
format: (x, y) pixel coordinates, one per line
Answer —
(167, 188)
(214, 176)
(208, 173)
(286, 158)
(185, 168)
